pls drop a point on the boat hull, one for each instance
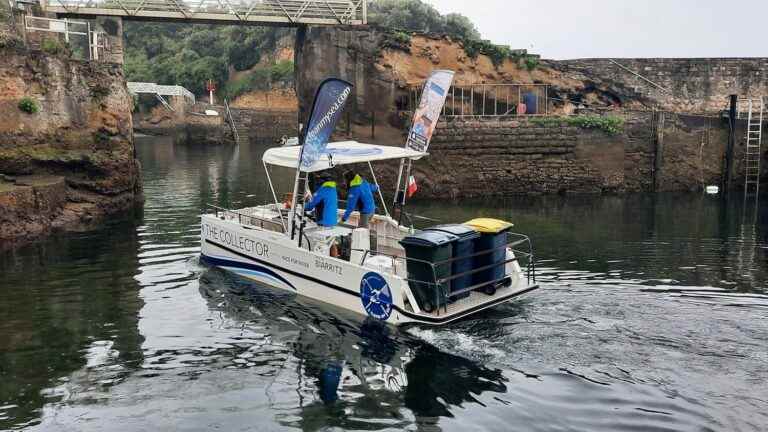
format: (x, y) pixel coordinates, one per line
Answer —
(270, 258)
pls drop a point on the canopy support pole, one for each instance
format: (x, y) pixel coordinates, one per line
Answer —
(402, 188)
(294, 203)
(381, 196)
(274, 195)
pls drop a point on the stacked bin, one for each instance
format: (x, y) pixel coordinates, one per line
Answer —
(429, 247)
(463, 249)
(493, 236)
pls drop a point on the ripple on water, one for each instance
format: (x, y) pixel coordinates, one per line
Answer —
(122, 328)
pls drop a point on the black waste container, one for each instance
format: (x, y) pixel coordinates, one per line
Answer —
(429, 247)
(493, 237)
(463, 249)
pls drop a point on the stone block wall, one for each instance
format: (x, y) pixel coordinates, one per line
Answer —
(507, 156)
(696, 85)
(479, 157)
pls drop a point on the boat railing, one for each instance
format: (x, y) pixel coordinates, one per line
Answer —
(520, 245)
(246, 219)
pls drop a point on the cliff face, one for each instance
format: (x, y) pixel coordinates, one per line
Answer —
(517, 155)
(69, 158)
(383, 65)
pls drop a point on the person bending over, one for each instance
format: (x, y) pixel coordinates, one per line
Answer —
(325, 202)
(360, 197)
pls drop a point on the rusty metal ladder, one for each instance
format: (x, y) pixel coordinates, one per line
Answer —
(755, 109)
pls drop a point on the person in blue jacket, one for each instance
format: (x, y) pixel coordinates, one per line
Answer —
(326, 203)
(360, 197)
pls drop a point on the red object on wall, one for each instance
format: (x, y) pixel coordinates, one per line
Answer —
(210, 86)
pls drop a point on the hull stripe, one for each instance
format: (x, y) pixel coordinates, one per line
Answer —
(417, 317)
(221, 262)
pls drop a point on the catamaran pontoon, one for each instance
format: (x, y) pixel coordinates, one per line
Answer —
(387, 271)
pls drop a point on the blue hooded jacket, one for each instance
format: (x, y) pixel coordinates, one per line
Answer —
(328, 200)
(360, 196)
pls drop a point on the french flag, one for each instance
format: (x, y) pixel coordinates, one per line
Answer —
(412, 186)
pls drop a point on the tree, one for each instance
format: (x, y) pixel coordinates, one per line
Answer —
(415, 15)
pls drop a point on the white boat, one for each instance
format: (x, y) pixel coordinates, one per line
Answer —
(257, 243)
(366, 270)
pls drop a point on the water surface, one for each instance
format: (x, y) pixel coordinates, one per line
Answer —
(651, 317)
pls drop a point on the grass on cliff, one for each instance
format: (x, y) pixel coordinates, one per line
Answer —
(611, 125)
(279, 75)
(29, 105)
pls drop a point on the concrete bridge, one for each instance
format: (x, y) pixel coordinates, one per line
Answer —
(263, 12)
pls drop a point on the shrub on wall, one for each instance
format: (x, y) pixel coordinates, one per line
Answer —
(28, 105)
(609, 124)
(51, 46)
(531, 62)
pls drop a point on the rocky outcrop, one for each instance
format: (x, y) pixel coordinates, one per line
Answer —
(66, 152)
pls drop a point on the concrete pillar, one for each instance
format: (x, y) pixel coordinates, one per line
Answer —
(113, 28)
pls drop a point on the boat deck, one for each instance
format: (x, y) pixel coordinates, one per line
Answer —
(477, 300)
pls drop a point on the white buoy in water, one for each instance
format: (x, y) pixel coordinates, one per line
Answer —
(713, 190)
(211, 113)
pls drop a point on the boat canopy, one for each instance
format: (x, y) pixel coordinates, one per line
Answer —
(339, 153)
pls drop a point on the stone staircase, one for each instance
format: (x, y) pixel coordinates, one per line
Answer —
(242, 120)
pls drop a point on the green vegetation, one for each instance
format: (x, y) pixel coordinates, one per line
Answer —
(531, 62)
(609, 124)
(29, 105)
(52, 46)
(189, 55)
(279, 75)
(417, 16)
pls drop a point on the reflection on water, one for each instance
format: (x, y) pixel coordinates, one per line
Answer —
(651, 317)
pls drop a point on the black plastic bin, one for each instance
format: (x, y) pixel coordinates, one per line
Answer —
(493, 236)
(463, 249)
(430, 247)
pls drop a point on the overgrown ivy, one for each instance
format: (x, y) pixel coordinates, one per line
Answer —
(612, 125)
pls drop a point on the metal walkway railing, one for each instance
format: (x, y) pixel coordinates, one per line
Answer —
(287, 12)
(161, 90)
(488, 100)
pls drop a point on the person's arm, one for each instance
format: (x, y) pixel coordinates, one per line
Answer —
(319, 196)
(354, 196)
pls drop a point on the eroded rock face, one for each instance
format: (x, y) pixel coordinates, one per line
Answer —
(80, 140)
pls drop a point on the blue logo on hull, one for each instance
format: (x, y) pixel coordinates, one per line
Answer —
(376, 296)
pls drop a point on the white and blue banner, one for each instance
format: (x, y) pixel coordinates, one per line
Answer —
(428, 112)
(330, 100)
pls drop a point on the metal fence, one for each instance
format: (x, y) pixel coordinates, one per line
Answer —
(76, 34)
(489, 100)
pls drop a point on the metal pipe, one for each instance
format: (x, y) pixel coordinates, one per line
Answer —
(274, 195)
(381, 196)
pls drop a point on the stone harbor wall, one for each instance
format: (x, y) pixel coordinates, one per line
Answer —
(66, 143)
(694, 85)
(496, 157)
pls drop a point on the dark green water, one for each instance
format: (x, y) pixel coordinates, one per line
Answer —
(651, 316)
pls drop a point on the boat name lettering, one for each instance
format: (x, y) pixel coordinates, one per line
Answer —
(235, 240)
(330, 267)
(295, 261)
